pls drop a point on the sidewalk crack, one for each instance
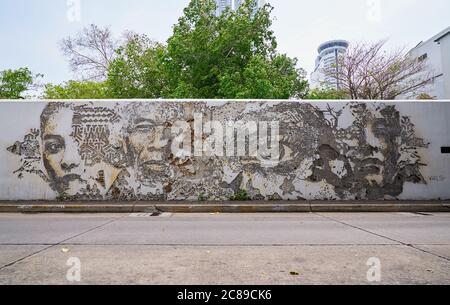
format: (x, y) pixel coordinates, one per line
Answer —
(385, 237)
(59, 243)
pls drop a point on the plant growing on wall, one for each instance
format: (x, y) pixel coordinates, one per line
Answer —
(241, 195)
(202, 197)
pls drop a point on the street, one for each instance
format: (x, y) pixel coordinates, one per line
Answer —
(314, 248)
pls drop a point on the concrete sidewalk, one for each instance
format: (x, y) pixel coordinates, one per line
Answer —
(224, 207)
(294, 248)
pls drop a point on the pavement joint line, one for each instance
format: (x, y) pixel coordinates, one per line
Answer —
(58, 244)
(237, 245)
(386, 237)
(223, 245)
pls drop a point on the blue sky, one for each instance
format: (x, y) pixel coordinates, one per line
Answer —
(30, 30)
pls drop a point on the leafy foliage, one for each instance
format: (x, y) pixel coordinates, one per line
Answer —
(13, 83)
(138, 70)
(231, 55)
(241, 195)
(228, 56)
(77, 90)
(202, 197)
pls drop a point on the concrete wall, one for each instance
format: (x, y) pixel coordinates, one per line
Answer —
(190, 150)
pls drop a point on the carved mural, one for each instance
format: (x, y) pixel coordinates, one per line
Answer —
(197, 150)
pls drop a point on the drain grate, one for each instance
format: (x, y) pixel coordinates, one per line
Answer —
(154, 214)
(422, 214)
(143, 215)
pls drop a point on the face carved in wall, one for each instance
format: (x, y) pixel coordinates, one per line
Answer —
(80, 152)
(378, 148)
(377, 154)
(60, 152)
(148, 138)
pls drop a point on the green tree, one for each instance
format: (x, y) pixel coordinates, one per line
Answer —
(76, 90)
(261, 79)
(229, 56)
(13, 83)
(137, 71)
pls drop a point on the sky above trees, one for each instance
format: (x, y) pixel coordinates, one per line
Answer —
(31, 30)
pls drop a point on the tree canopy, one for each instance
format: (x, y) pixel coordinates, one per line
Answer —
(232, 55)
(138, 70)
(366, 71)
(14, 83)
(90, 52)
(77, 90)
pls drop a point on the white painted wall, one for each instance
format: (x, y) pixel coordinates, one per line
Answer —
(16, 120)
(432, 120)
(438, 61)
(445, 54)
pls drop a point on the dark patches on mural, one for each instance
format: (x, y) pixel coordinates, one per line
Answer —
(373, 157)
(30, 153)
(126, 151)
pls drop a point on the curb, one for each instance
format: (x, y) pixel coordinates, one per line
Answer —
(225, 207)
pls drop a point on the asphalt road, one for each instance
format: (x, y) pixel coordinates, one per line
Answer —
(329, 248)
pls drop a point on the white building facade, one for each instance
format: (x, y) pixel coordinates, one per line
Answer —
(436, 53)
(328, 58)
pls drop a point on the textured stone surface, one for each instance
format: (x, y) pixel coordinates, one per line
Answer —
(212, 150)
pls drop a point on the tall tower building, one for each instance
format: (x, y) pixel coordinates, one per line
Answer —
(222, 5)
(234, 5)
(327, 59)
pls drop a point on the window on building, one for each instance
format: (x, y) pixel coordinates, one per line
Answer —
(423, 57)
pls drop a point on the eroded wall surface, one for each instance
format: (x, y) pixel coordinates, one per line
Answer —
(210, 150)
